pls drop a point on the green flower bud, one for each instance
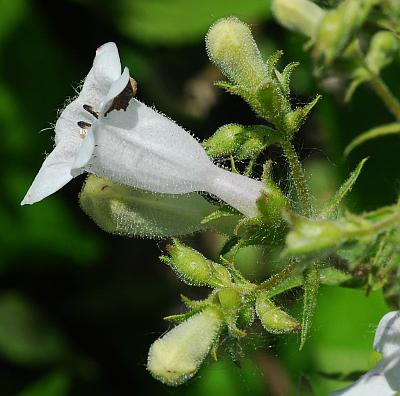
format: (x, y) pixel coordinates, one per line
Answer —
(194, 268)
(302, 16)
(339, 26)
(273, 318)
(230, 45)
(240, 141)
(176, 357)
(312, 235)
(128, 211)
(382, 51)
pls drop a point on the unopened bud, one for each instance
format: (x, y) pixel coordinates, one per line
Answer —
(194, 268)
(176, 357)
(238, 140)
(308, 236)
(273, 318)
(382, 51)
(302, 16)
(231, 47)
(339, 26)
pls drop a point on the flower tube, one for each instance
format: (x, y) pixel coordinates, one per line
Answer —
(107, 132)
(384, 378)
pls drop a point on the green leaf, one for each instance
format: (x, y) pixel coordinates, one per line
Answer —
(54, 384)
(177, 22)
(26, 336)
(383, 130)
(311, 288)
(346, 187)
(124, 210)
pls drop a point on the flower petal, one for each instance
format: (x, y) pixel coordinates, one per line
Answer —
(84, 154)
(142, 148)
(105, 70)
(387, 336)
(392, 372)
(54, 174)
(372, 383)
(116, 88)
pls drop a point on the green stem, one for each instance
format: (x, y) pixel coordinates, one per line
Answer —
(298, 177)
(279, 277)
(383, 91)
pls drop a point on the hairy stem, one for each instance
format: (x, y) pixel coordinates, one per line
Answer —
(383, 91)
(298, 176)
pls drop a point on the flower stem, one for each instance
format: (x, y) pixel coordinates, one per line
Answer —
(387, 97)
(298, 177)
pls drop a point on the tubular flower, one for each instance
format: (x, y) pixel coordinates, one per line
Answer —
(384, 378)
(107, 132)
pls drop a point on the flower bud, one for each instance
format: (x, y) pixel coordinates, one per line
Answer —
(238, 140)
(302, 16)
(274, 319)
(176, 357)
(194, 268)
(129, 211)
(231, 47)
(308, 236)
(382, 51)
(339, 26)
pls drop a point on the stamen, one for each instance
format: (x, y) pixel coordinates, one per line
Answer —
(83, 124)
(90, 110)
(122, 100)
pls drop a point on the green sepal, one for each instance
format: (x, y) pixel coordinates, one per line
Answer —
(332, 206)
(230, 301)
(286, 75)
(311, 288)
(222, 211)
(296, 118)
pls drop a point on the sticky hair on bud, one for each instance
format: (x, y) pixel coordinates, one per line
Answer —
(176, 357)
(230, 45)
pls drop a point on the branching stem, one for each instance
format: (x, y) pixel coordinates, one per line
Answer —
(387, 97)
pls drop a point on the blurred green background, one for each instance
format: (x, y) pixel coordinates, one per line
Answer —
(79, 308)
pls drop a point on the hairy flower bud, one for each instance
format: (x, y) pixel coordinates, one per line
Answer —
(194, 268)
(273, 318)
(382, 51)
(239, 140)
(339, 26)
(302, 16)
(231, 47)
(176, 357)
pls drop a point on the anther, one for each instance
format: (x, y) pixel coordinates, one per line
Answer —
(83, 124)
(90, 110)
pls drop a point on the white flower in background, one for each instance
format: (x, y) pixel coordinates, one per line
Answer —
(384, 378)
(107, 132)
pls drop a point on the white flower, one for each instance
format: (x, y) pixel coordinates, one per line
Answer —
(107, 132)
(384, 378)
